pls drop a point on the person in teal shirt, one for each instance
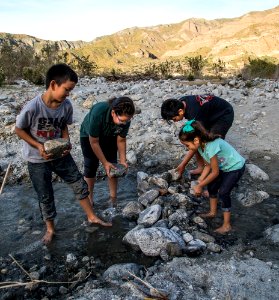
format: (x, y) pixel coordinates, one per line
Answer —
(102, 136)
(224, 166)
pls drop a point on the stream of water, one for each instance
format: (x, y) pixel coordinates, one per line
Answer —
(22, 228)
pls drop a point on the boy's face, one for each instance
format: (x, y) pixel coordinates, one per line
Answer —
(179, 117)
(62, 91)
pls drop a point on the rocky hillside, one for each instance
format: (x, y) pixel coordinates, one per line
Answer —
(231, 40)
(23, 40)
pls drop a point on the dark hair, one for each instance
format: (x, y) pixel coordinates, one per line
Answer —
(122, 106)
(170, 108)
(199, 131)
(60, 73)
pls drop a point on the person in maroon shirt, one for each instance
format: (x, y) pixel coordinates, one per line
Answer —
(214, 113)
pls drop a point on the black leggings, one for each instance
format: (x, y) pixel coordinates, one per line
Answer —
(91, 162)
(223, 185)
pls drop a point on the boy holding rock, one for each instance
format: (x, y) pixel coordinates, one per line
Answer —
(44, 118)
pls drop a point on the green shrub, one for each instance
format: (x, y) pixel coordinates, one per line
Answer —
(2, 76)
(218, 67)
(191, 77)
(248, 84)
(195, 65)
(150, 70)
(33, 75)
(83, 65)
(260, 67)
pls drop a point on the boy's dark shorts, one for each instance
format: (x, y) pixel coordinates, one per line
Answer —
(108, 145)
(223, 124)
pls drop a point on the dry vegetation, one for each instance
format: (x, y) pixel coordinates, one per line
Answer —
(223, 47)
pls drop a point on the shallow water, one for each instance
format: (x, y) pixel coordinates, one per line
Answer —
(249, 223)
(21, 227)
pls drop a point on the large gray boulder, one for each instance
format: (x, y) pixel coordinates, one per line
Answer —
(154, 241)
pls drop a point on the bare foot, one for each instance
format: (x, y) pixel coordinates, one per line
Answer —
(223, 229)
(47, 238)
(208, 215)
(196, 171)
(96, 221)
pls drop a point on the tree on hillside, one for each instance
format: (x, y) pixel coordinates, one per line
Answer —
(8, 61)
(83, 65)
(14, 59)
(218, 67)
(195, 65)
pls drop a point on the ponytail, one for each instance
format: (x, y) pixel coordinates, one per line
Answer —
(192, 129)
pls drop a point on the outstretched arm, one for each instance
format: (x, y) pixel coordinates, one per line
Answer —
(94, 142)
(121, 145)
(205, 171)
(185, 161)
(214, 167)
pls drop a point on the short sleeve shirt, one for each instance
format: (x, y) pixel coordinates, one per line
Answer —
(99, 123)
(206, 108)
(43, 123)
(228, 158)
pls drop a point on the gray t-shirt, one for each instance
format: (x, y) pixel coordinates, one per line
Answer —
(43, 123)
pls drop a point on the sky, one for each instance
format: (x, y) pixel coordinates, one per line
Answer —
(85, 20)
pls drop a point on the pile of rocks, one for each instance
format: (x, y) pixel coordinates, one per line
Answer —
(167, 217)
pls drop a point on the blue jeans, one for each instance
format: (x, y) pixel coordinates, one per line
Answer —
(41, 177)
(223, 185)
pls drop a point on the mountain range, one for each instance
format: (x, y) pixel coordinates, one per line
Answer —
(255, 34)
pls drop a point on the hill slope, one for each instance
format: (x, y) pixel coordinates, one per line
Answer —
(231, 40)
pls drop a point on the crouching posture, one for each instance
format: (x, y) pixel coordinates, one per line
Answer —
(224, 166)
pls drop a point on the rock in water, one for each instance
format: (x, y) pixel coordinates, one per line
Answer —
(56, 147)
(119, 172)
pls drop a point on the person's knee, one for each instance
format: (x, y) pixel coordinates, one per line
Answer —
(90, 172)
(90, 168)
(80, 189)
(46, 198)
(212, 191)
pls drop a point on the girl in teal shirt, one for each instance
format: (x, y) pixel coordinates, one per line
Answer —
(223, 168)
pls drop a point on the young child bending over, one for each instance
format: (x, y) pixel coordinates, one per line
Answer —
(223, 168)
